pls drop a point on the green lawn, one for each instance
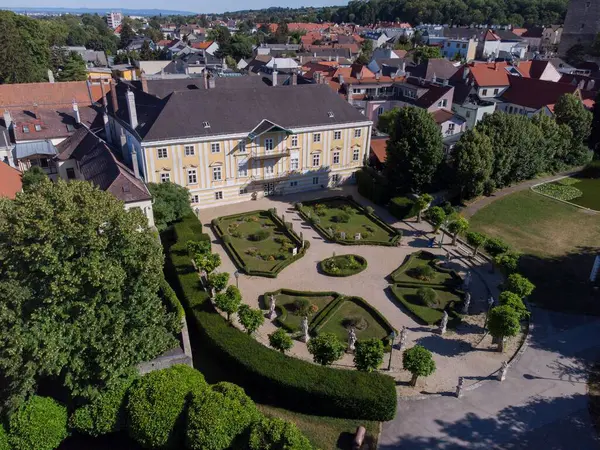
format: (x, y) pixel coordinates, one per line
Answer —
(327, 433)
(263, 254)
(405, 273)
(558, 241)
(336, 322)
(329, 212)
(407, 295)
(290, 320)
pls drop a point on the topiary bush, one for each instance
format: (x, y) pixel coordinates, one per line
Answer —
(156, 403)
(276, 434)
(495, 246)
(343, 265)
(427, 296)
(217, 416)
(280, 340)
(424, 272)
(40, 423)
(105, 414)
(259, 235)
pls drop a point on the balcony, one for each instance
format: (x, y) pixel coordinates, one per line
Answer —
(272, 177)
(269, 154)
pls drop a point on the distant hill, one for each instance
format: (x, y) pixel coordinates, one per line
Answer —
(101, 11)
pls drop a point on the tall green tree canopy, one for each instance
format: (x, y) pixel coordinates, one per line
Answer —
(171, 203)
(569, 110)
(79, 283)
(473, 159)
(414, 150)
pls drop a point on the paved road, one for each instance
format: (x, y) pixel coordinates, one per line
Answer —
(541, 405)
(481, 202)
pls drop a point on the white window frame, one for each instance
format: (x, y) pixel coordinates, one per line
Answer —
(192, 176)
(294, 163)
(294, 140)
(269, 168)
(217, 170)
(316, 137)
(162, 153)
(219, 195)
(357, 133)
(337, 135)
(336, 157)
(242, 170)
(189, 150)
(165, 177)
(215, 147)
(316, 157)
(356, 154)
(195, 198)
(269, 144)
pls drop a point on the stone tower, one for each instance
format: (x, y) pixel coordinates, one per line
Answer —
(582, 24)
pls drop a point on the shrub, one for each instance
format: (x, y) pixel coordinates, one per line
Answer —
(503, 322)
(304, 308)
(229, 301)
(519, 285)
(476, 240)
(436, 216)
(341, 217)
(513, 301)
(217, 416)
(201, 247)
(509, 261)
(326, 348)
(259, 235)
(419, 362)
(218, 281)
(424, 272)
(495, 246)
(40, 423)
(105, 414)
(402, 208)
(298, 206)
(370, 211)
(368, 355)
(280, 340)
(156, 403)
(4, 437)
(360, 323)
(427, 296)
(276, 434)
(489, 186)
(207, 261)
(251, 319)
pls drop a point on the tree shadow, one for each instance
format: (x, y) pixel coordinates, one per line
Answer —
(444, 346)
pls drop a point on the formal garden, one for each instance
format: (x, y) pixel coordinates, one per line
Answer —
(343, 265)
(260, 242)
(328, 312)
(343, 220)
(426, 288)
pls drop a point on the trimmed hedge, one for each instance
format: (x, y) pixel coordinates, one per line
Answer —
(40, 423)
(395, 240)
(403, 208)
(280, 320)
(394, 276)
(239, 260)
(426, 314)
(292, 383)
(373, 186)
(169, 297)
(343, 272)
(4, 438)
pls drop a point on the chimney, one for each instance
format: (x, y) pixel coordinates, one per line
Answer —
(50, 76)
(403, 66)
(465, 72)
(378, 76)
(581, 85)
(144, 81)
(341, 79)
(275, 73)
(104, 103)
(113, 96)
(7, 119)
(107, 128)
(211, 82)
(134, 163)
(591, 84)
(76, 111)
(205, 77)
(134, 74)
(358, 75)
(349, 93)
(294, 78)
(133, 120)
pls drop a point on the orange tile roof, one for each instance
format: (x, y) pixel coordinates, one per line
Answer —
(10, 181)
(202, 45)
(495, 74)
(519, 31)
(50, 94)
(378, 148)
(308, 26)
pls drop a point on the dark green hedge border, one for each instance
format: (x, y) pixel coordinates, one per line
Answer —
(323, 232)
(433, 263)
(237, 258)
(403, 208)
(346, 272)
(416, 313)
(268, 375)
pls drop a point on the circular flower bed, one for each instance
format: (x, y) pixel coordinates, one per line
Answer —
(343, 265)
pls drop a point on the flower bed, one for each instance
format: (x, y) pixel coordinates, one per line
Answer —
(343, 265)
(259, 242)
(267, 375)
(336, 215)
(560, 191)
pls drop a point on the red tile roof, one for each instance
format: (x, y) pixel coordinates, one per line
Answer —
(493, 74)
(378, 148)
(50, 94)
(519, 31)
(10, 181)
(202, 45)
(442, 115)
(536, 94)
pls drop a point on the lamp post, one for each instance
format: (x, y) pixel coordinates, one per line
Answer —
(392, 339)
(236, 274)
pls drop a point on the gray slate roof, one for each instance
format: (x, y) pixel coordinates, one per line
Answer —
(26, 149)
(241, 110)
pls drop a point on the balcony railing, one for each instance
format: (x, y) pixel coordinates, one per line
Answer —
(272, 177)
(268, 154)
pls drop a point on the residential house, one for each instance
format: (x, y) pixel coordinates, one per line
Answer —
(395, 29)
(10, 181)
(467, 104)
(135, 44)
(499, 43)
(230, 145)
(461, 49)
(551, 37)
(92, 58)
(583, 82)
(452, 126)
(533, 37)
(210, 47)
(378, 38)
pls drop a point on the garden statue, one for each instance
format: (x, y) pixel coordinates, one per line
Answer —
(491, 301)
(283, 218)
(342, 235)
(357, 237)
(459, 387)
(467, 281)
(330, 231)
(272, 313)
(351, 340)
(213, 293)
(444, 323)
(305, 336)
(467, 302)
(403, 335)
(503, 370)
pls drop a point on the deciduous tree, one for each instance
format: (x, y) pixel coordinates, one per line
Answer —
(520, 285)
(229, 301)
(458, 225)
(422, 202)
(280, 340)
(473, 160)
(326, 348)
(251, 319)
(503, 322)
(171, 203)
(368, 355)
(419, 362)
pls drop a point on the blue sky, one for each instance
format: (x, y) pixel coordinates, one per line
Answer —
(202, 6)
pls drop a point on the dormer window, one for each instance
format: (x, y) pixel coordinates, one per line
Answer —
(38, 127)
(25, 129)
(206, 124)
(330, 114)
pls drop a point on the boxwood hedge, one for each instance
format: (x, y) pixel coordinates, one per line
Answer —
(267, 374)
